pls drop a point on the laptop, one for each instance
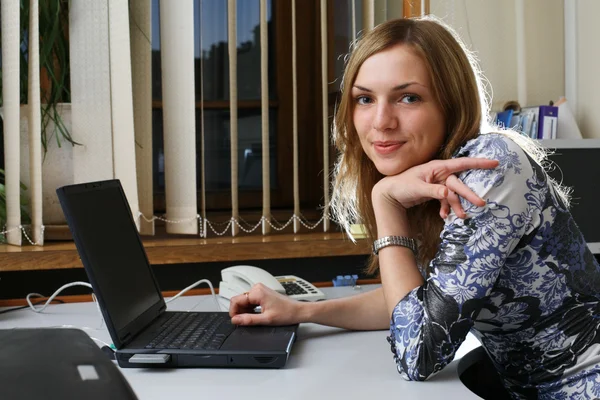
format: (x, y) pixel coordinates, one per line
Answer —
(144, 333)
(57, 363)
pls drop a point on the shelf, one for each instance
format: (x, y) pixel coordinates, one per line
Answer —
(571, 143)
(62, 255)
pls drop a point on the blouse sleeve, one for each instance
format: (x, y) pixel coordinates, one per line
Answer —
(430, 323)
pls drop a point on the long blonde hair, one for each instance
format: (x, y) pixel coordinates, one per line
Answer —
(459, 89)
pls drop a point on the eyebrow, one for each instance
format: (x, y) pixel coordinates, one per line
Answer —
(395, 88)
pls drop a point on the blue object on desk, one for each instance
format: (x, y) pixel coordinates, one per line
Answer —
(345, 280)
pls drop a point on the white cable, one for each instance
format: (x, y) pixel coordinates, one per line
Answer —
(212, 290)
(99, 310)
(68, 285)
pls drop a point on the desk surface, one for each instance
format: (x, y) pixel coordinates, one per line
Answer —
(325, 362)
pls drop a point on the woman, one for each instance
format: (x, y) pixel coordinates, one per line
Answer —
(499, 251)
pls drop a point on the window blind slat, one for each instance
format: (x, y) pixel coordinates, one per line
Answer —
(34, 127)
(202, 145)
(11, 112)
(353, 16)
(233, 110)
(325, 111)
(177, 63)
(295, 123)
(368, 15)
(141, 73)
(264, 97)
(121, 102)
(394, 9)
(89, 48)
(380, 11)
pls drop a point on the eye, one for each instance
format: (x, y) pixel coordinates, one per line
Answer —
(363, 100)
(410, 98)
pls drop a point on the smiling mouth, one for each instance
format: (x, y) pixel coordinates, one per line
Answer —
(387, 148)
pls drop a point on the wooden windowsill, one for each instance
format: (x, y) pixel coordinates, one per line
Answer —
(61, 255)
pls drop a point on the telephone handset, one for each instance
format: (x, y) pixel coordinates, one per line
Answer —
(239, 279)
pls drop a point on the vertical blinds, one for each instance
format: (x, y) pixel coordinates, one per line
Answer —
(127, 105)
(141, 74)
(34, 122)
(11, 115)
(179, 114)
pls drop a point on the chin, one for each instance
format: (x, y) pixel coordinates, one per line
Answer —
(389, 170)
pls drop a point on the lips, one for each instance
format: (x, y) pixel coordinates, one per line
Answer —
(384, 148)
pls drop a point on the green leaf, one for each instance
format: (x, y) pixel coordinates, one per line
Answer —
(54, 60)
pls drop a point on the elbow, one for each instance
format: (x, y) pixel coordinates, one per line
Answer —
(416, 373)
(406, 366)
(411, 365)
(411, 376)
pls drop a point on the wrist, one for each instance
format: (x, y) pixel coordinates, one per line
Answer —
(392, 222)
(387, 241)
(306, 311)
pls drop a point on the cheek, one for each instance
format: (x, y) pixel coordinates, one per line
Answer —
(359, 121)
(361, 126)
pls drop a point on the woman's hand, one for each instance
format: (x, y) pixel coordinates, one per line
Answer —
(276, 309)
(433, 180)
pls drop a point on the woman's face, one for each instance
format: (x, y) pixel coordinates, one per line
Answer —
(398, 120)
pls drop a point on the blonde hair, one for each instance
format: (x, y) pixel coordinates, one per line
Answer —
(460, 90)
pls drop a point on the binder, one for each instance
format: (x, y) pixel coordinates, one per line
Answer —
(531, 116)
(548, 122)
(503, 118)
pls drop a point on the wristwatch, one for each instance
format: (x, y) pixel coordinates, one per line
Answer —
(394, 241)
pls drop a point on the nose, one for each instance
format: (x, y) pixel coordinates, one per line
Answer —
(385, 119)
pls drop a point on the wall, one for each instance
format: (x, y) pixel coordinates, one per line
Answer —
(587, 86)
(491, 29)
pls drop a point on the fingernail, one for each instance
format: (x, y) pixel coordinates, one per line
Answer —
(235, 320)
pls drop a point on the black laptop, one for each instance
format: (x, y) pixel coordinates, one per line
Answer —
(144, 333)
(57, 363)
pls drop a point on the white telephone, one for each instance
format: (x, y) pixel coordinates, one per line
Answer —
(239, 279)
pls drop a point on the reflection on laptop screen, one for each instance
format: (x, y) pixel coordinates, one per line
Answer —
(114, 252)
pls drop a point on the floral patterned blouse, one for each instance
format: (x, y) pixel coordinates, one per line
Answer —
(518, 274)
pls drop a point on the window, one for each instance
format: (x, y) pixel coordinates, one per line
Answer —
(212, 71)
(212, 66)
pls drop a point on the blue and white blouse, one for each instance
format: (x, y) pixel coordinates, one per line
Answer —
(518, 274)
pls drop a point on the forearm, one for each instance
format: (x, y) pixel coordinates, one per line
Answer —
(365, 311)
(397, 264)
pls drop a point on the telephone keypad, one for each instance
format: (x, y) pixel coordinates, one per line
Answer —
(292, 288)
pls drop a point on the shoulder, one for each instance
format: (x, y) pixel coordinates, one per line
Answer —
(490, 145)
(514, 162)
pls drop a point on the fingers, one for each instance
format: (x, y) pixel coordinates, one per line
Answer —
(240, 304)
(444, 208)
(459, 188)
(454, 203)
(249, 319)
(436, 191)
(463, 163)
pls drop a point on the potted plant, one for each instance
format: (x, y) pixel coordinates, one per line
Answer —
(54, 66)
(54, 76)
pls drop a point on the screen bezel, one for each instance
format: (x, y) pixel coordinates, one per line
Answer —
(121, 336)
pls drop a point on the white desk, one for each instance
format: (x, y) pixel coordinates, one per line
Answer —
(326, 363)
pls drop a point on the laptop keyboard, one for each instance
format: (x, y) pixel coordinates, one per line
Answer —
(198, 331)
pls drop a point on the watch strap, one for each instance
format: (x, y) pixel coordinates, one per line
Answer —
(394, 241)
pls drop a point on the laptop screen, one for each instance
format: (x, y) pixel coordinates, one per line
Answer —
(107, 238)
